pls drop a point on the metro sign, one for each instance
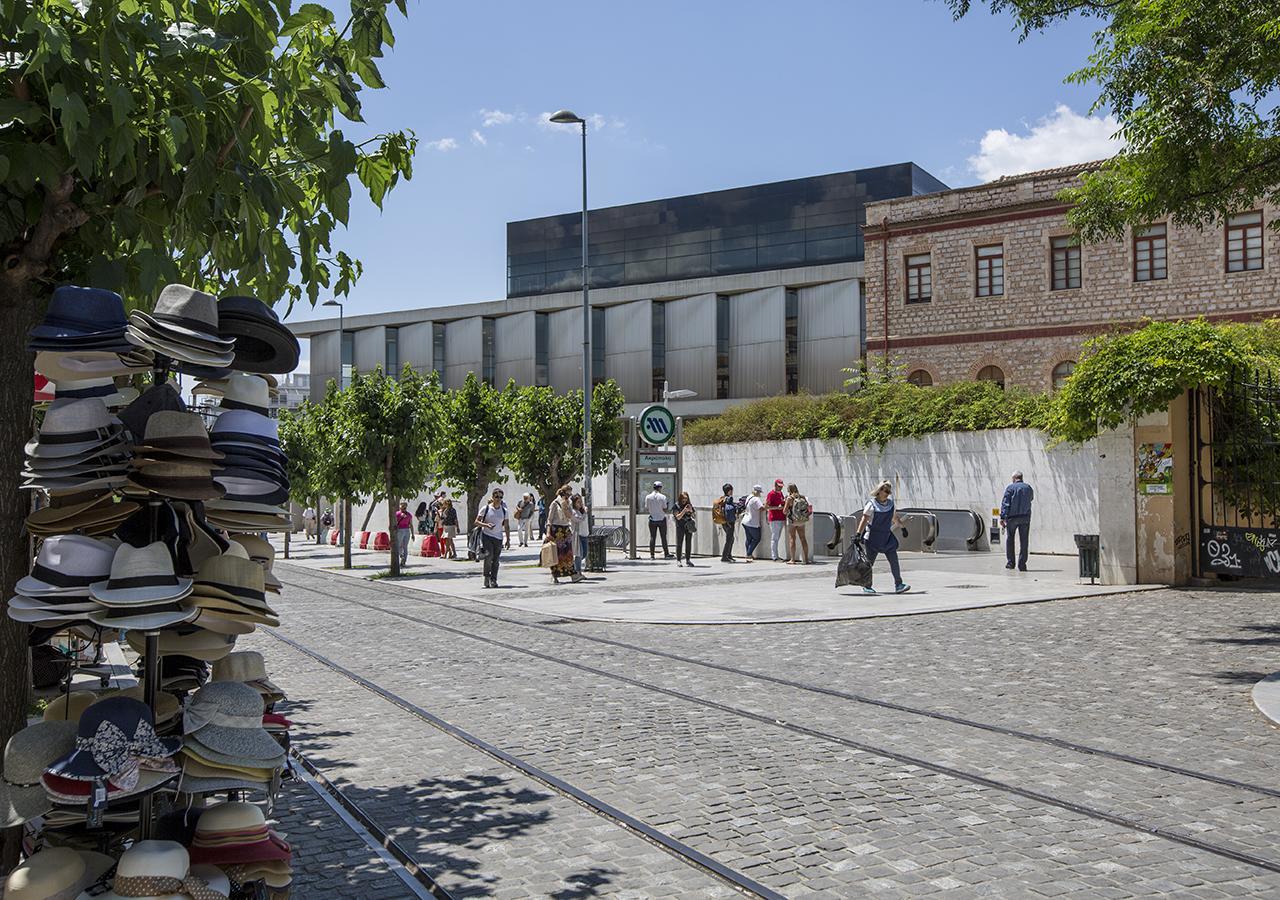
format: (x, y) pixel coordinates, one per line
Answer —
(657, 425)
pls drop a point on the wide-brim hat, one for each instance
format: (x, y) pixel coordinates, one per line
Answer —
(141, 336)
(91, 364)
(236, 832)
(69, 707)
(67, 564)
(141, 575)
(146, 618)
(27, 755)
(263, 344)
(111, 736)
(190, 783)
(200, 644)
(160, 479)
(247, 667)
(77, 792)
(56, 873)
(200, 752)
(213, 877)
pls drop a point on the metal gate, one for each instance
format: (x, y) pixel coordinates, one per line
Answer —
(1235, 430)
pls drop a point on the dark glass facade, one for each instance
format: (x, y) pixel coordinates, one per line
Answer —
(805, 221)
(488, 351)
(659, 345)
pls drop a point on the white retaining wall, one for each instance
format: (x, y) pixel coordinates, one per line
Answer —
(951, 470)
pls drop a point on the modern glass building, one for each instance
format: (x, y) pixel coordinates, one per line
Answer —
(801, 222)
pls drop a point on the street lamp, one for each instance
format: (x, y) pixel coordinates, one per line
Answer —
(342, 369)
(677, 394)
(565, 117)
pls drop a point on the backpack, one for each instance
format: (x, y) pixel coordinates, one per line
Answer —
(800, 510)
(717, 512)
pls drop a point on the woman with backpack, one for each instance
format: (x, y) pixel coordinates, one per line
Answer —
(879, 518)
(798, 512)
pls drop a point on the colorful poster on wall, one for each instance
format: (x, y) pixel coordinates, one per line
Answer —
(1155, 468)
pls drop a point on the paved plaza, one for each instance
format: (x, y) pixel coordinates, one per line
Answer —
(1104, 746)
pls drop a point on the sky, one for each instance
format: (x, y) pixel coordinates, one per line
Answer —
(685, 97)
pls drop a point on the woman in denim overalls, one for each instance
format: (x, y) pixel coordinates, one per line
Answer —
(879, 518)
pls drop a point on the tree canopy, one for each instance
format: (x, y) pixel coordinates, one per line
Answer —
(468, 438)
(1193, 84)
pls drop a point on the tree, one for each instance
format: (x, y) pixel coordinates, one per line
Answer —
(191, 141)
(1193, 84)
(302, 449)
(341, 470)
(471, 428)
(544, 440)
(390, 422)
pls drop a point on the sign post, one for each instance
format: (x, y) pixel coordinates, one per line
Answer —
(633, 496)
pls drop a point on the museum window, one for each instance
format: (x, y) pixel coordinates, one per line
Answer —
(1150, 253)
(989, 270)
(437, 347)
(393, 352)
(1061, 372)
(1064, 256)
(659, 344)
(919, 278)
(541, 349)
(488, 351)
(792, 334)
(994, 374)
(1244, 242)
(597, 345)
(722, 347)
(920, 378)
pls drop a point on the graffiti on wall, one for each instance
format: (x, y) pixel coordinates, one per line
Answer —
(1247, 552)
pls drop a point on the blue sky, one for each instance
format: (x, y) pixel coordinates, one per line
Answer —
(687, 97)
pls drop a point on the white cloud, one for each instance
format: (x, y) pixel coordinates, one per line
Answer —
(1060, 139)
(491, 117)
(444, 145)
(478, 138)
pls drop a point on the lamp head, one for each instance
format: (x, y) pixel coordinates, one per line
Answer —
(331, 302)
(565, 117)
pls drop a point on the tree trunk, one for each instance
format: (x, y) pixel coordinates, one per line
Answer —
(17, 386)
(368, 513)
(346, 534)
(286, 539)
(392, 531)
(319, 512)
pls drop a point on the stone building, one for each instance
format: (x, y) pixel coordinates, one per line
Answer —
(986, 282)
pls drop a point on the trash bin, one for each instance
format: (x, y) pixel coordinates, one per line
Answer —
(597, 549)
(1087, 547)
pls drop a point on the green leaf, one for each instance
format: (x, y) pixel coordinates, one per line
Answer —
(20, 111)
(307, 14)
(74, 116)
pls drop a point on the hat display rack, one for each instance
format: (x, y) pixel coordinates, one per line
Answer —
(153, 530)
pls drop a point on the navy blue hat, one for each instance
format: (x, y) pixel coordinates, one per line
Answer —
(113, 734)
(80, 312)
(263, 345)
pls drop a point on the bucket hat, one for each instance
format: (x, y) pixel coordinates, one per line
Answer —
(69, 707)
(262, 343)
(162, 870)
(73, 428)
(56, 873)
(140, 576)
(79, 312)
(26, 757)
(83, 363)
(236, 833)
(104, 389)
(244, 391)
(247, 667)
(113, 737)
(66, 565)
(226, 717)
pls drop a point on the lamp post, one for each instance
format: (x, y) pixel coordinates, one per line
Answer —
(342, 369)
(565, 117)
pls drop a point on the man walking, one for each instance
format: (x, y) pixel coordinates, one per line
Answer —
(492, 521)
(753, 521)
(525, 510)
(309, 522)
(1015, 519)
(775, 504)
(657, 504)
(404, 532)
(724, 512)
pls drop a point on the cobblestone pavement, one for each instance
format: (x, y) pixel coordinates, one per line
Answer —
(809, 793)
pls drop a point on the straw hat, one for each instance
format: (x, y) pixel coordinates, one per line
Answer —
(162, 870)
(184, 312)
(26, 757)
(167, 706)
(56, 873)
(100, 513)
(156, 399)
(69, 707)
(103, 388)
(186, 481)
(199, 644)
(226, 717)
(140, 575)
(248, 667)
(236, 833)
(243, 391)
(75, 428)
(264, 554)
(248, 427)
(180, 433)
(76, 364)
(67, 565)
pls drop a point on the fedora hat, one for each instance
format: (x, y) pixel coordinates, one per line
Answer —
(68, 707)
(177, 431)
(232, 577)
(262, 343)
(247, 667)
(243, 391)
(56, 873)
(183, 310)
(236, 833)
(186, 481)
(82, 363)
(146, 617)
(79, 312)
(155, 399)
(112, 737)
(140, 576)
(226, 717)
(104, 388)
(68, 564)
(211, 620)
(143, 336)
(249, 427)
(199, 644)
(79, 513)
(162, 870)
(26, 757)
(263, 554)
(73, 428)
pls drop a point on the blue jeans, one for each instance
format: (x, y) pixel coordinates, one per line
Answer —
(753, 538)
(892, 556)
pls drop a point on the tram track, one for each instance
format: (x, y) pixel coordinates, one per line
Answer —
(989, 727)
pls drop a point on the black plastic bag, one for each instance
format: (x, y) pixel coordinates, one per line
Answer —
(854, 568)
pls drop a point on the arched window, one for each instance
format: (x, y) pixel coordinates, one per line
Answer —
(992, 373)
(920, 378)
(1061, 372)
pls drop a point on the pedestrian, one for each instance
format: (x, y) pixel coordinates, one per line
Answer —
(1015, 519)
(448, 529)
(686, 525)
(542, 518)
(326, 520)
(657, 504)
(560, 533)
(753, 520)
(724, 512)
(798, 512)
(309, 522)
(775, 505)
(421, 515)
(579, 532)
(525, 509)
(404, 531)
(493, 521)
(876, 524)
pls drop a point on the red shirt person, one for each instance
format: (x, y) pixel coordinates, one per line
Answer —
(775, 503)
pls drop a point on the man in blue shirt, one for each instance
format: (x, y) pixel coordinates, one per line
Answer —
(1015, 519)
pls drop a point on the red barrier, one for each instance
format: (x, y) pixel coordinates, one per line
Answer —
(431, 545)
(333, 537)
(364, 540)
(381, 541)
